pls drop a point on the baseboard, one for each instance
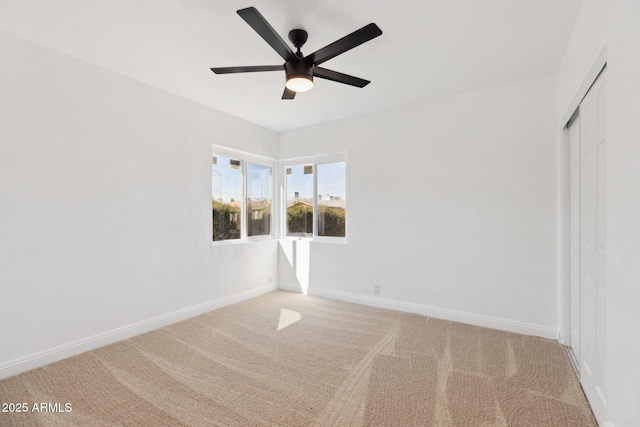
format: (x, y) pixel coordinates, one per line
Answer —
(440, 313)
(290, 287)
(36, 360)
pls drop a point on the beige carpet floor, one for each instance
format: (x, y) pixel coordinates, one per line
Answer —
(285, 359)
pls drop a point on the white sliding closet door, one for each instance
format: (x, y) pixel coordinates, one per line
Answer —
(593, 245)
(574, 235)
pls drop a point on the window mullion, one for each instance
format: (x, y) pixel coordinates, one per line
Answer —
(284, 229)
(273, 204)
(243, 206)
(315, 200)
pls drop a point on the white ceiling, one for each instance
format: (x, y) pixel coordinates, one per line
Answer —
(428, 49)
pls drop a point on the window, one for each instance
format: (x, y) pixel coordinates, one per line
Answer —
(299, 200)
(241, 191)
(226, 191)
(331, 199)
(258, 200)
(316, 198)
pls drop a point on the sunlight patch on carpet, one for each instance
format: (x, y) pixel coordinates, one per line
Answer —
(288, 318)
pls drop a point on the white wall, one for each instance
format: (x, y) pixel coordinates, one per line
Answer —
(105, 211)
(614, 25)
(450, 205)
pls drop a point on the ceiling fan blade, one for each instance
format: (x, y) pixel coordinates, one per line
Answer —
(288, 94)
(248, 69)
(266, 31)
(339, 77)
(346, 43)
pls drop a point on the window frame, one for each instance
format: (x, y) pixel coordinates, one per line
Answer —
(245, 158)
(314, 161)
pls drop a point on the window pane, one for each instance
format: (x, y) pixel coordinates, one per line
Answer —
(258, 200)
(299, 200)
(226, 185)
(331, 199)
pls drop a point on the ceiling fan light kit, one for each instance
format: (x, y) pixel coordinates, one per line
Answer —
(300, 70)
(299, 76)
(299, 83)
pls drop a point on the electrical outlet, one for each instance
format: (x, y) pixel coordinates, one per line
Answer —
(376, 289)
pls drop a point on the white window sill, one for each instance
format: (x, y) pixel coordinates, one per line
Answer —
(330, 240)
(241, 241)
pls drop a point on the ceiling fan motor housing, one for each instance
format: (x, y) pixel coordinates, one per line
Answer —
(298, 68)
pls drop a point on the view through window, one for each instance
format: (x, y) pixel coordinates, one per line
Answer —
(226, 192)
(239, 210)
(325, 193)
(299, 181)
(258, 200)
(331, 199)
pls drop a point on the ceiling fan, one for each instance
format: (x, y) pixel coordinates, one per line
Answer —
(301, 70)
